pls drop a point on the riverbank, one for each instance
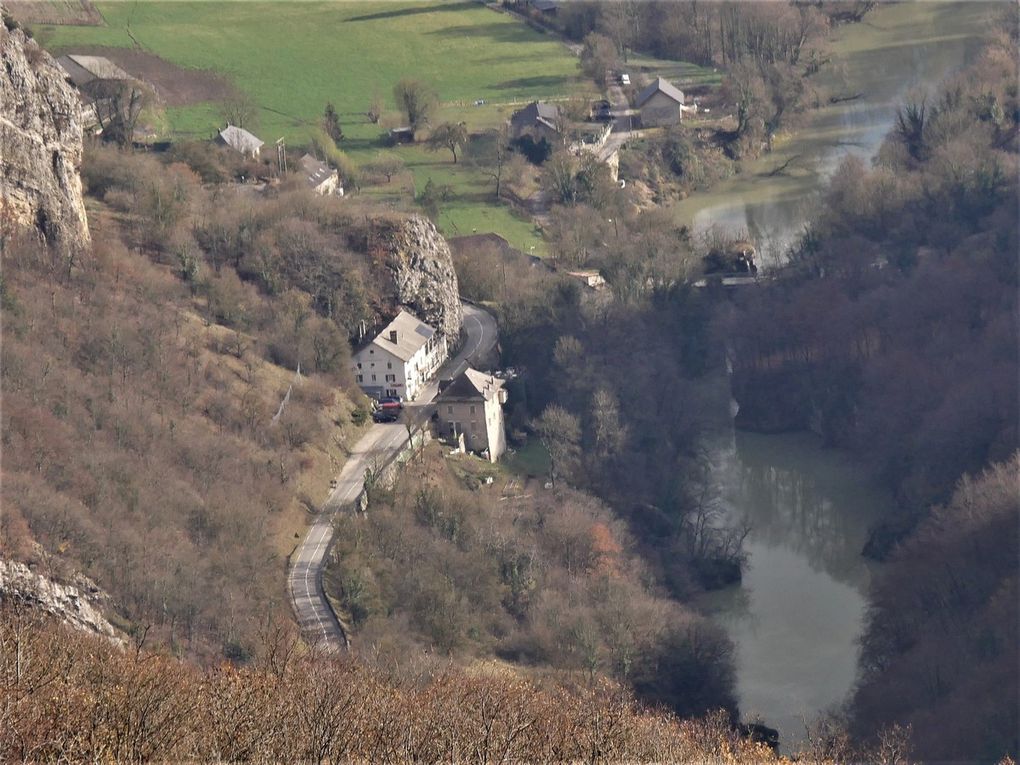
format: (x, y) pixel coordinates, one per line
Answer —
(896, 49)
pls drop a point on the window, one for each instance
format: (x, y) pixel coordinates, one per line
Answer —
(472, 409)
(391, 378)
(373, 378)
(371, 350)
(359, 365)
(389, 365)
(372, 365)
(361, 378)
(449, 410)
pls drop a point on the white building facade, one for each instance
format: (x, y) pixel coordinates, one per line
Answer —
(472, 406)
(400, 360)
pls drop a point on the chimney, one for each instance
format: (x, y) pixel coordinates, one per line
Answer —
(393, 336)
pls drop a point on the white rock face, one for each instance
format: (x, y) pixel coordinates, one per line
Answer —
(419, 259)
(76, 606)
(40, 145)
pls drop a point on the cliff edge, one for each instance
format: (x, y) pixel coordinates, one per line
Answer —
(79, 605)
(420, 262)
(40, 144)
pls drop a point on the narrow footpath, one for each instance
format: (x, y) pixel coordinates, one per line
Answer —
(381, 443)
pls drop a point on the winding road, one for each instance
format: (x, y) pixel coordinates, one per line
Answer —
(379, 444)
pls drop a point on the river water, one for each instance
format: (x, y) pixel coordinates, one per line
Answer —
(797, 616)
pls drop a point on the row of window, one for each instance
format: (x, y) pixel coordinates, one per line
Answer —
(389, 365)
(389, 378)
(449, 409)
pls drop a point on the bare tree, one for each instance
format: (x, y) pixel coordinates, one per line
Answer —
(448, 135)
(240, 110)
(118, 105)
(416, 100)
(491, 154)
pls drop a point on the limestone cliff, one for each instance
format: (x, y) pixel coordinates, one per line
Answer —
(78, 605)
(422, 267)
(40, 144)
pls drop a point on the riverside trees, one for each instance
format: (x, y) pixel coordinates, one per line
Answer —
(939, 650)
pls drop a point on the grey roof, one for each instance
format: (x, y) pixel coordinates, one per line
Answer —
(472, 384)
(545, 5)
(659, 86)
(537, 112)
(315, 172)
(82, 70)
(412, 334)
(240, 139)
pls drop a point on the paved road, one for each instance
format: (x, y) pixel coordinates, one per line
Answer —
(621, 111)
(382, 441)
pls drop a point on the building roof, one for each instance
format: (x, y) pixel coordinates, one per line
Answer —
(412, 334)
(472, 384)
(593, 279)
(82, 70)
(240, 139)
(537, 113)
(660, 86)
(315, 172)
(545, 5)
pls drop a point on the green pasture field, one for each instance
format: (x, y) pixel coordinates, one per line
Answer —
(293, 57)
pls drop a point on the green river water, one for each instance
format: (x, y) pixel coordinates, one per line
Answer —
(797, 616)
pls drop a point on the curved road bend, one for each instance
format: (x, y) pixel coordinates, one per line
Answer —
(380, 442)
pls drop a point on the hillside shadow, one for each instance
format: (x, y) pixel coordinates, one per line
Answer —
(413, 11)
(497, 32)
(542, 81)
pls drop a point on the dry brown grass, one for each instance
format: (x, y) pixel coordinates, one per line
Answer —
(71, 12)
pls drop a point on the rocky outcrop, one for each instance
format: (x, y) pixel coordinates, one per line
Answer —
(77, 605)
(40, 145)
(419, 259)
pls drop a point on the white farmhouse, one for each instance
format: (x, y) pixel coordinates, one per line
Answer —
(320, 177)
(401, 358)
(241, 141)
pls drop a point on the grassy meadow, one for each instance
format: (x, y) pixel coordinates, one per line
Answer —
(293, 57)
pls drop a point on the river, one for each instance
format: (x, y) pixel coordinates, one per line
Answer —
(797, 614)
(899, 50)
(796, 618)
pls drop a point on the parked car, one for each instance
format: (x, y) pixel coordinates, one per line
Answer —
(602, 111)
(625, 79)
(385, 415)
(391, 402)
